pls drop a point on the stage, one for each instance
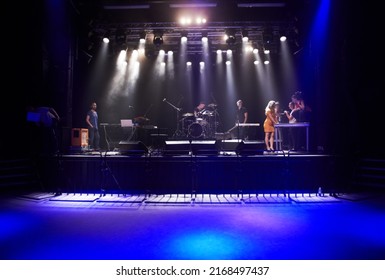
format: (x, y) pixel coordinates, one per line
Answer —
(192, 168)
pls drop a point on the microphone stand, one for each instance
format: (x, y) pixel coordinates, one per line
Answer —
(148, 110)
(105, 170)
(215, 122)
(106, 137)
(178, 132)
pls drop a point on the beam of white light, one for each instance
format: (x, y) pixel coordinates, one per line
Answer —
(170, 65)
(219, 57)
(160, 66)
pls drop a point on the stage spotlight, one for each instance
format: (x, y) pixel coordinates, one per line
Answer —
(142, 37)
(158, 38)
(184, 36)
(230, 36)
(204, 36)
(106, 37)
(245, 36)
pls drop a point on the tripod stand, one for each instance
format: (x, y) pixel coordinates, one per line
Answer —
(178, 132)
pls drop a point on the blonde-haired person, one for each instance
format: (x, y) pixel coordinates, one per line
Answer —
(268, 125)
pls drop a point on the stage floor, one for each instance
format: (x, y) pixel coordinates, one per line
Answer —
(187, 171)
(41, 226)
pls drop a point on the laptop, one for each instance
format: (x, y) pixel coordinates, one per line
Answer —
(126, 123)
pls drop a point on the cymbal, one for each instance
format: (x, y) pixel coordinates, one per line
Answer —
(188, 115)
(212, 105)
(208, 113)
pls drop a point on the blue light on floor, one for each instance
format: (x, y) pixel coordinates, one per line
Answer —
(210, 245)
(13, 223)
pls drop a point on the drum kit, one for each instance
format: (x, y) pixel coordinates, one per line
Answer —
(201, 125)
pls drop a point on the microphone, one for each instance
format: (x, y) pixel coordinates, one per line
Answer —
(129, 106)
(164, 99)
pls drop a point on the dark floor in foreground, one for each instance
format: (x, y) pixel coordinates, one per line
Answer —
(123, 227)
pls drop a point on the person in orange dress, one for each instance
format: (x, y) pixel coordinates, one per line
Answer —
(269, 123)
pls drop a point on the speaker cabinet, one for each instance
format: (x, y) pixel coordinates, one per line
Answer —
(247, 148)
(177, 148)
(132, 148)
(204, 147)
(229, 145)
(79, 137)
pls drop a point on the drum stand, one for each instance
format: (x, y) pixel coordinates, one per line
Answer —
(178, 132)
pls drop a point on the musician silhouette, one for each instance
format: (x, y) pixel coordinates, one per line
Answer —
(241, 118)
(93, 127)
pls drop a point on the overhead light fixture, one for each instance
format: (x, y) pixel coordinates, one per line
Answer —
(106, 37)
(245, 36)
(189, 20)
(184, 36)
(142, 37)
(158, 38)
(204, 36)
(282, 35)
(230, 36)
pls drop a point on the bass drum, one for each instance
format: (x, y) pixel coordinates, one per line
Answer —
(195, 130)
(201, 121)
(187, 121)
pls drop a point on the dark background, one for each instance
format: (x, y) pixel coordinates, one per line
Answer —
(347, 105)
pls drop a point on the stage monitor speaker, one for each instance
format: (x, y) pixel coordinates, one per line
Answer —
(229, 145)
(222, 135)
(204, 147)
(174, 147)
(247, 148)
(132, 148)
